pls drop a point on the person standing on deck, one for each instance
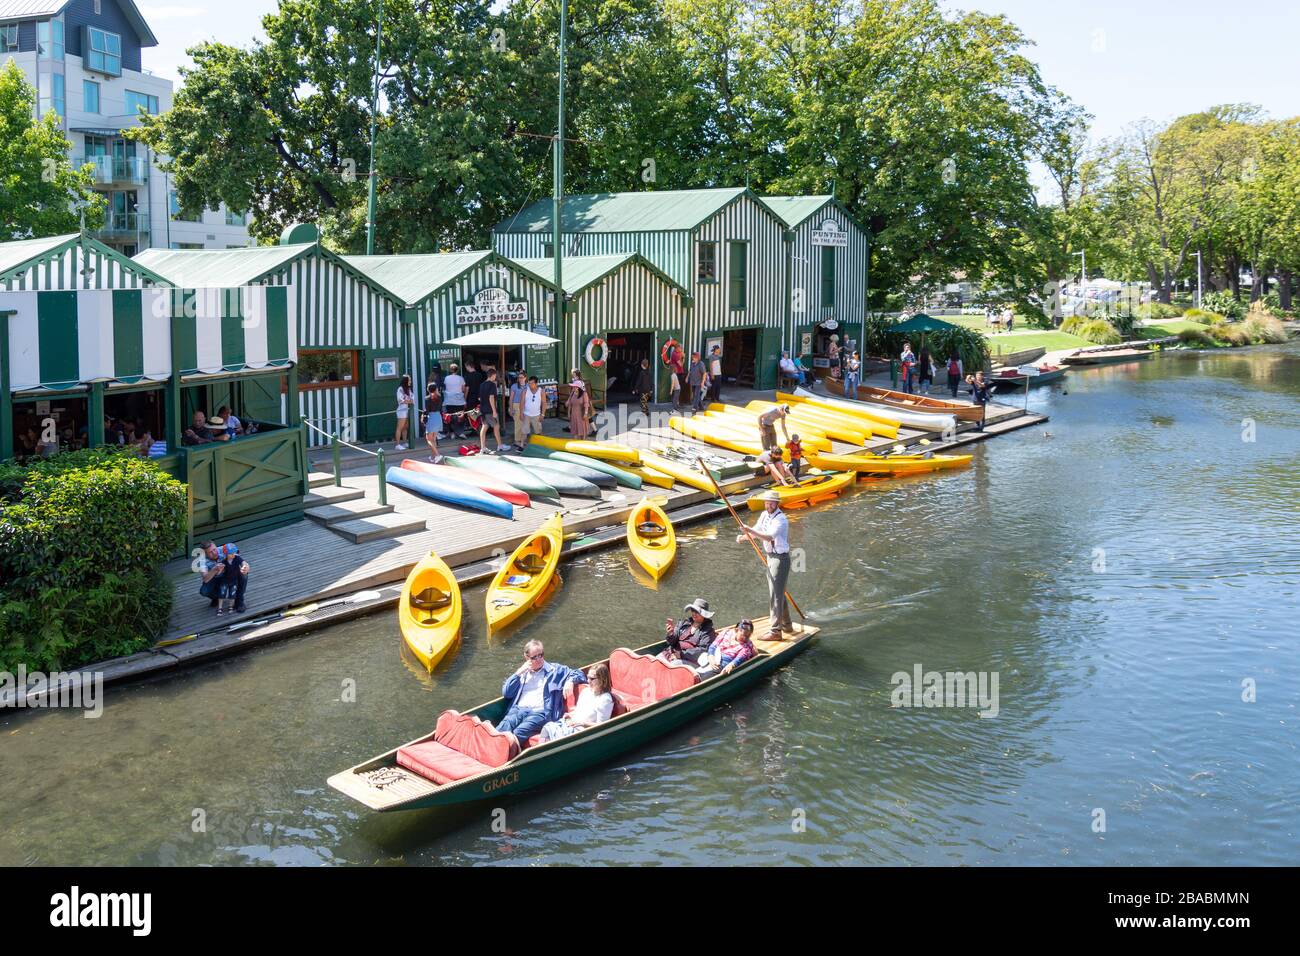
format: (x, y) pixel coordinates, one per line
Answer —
(852, 376)
(907, 362)
(767, 423)
(773, 530)
(432, 418)
(517, 391)
(487, 409)
(405, 402)
(579, 405)
(715, 373)
(678, 373)
(925, 370)
(644, 386)
(954, 373)
(696, 376)
(533, 407)
(979, 394)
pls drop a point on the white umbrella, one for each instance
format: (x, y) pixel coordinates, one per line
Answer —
(503, 337)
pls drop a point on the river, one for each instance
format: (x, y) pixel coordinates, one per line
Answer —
(1128, 571)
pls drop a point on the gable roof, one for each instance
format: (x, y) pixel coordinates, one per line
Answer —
(413, 278)
(655, 211)
(21, 254)
(39, 9)
(583, 272)
(794, 211)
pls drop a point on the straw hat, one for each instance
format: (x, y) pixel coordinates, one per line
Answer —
(216, 421)
(770, 495)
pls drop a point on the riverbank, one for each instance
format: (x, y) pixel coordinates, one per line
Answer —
(308, 562)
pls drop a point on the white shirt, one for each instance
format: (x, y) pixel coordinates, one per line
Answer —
(453, 389)
(532, 402)
(715, 366)
(591, 708)
(787, 365)
(775, 524)
(533, 683)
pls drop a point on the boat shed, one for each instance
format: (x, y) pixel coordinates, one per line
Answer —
(724, 246)
(445, 295)
(826, 268)
(351, 331)
(619, 308)
(93, 341)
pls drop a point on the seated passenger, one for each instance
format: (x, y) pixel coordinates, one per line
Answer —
(198, 433)
(790, 369)
(536, 693)
(771, 461)
(734, 646)
(689, 639)
(591, 709)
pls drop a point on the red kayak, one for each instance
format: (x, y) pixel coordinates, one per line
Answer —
(465, 476)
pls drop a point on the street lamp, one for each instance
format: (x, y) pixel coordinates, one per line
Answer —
(1198, 278)
(374, 108)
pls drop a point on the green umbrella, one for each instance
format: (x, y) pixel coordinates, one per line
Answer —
(921, 323)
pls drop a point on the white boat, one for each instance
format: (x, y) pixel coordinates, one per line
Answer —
(927, 421)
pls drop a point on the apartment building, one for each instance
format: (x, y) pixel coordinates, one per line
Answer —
(84, 57)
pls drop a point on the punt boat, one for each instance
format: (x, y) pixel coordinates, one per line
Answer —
(1012, 379)
(463, 760)
(1112, 357)
(914, 403)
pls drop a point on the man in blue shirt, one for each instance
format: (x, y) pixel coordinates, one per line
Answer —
(536, 693)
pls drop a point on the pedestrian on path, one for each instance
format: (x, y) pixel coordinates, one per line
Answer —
(431, 417)
(579, 405)
(979, 393)
(405, 402)
(696, 377)
(925, 369)
(773, 530)
(517, 390)
(907, 361)
(715, 373)
(852, 376)
(954, 373)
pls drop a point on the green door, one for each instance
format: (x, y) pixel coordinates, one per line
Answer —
(381, 373)
(260, 399)
(769, 354)
(595, 377)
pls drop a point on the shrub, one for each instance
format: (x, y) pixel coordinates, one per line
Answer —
(83, 537)
(1099, 332)
(1197, 338)
(1224, 304)
(1158, 310)
(1263, 330)
(1229, 333)
(1072, 325)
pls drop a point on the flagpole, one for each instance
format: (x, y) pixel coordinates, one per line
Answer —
(557, 201)
(374, 109)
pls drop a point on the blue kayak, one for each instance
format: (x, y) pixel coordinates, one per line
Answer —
(449, 492)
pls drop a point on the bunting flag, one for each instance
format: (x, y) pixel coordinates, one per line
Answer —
(59, 340)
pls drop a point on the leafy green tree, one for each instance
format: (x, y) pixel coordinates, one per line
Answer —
(41, 194)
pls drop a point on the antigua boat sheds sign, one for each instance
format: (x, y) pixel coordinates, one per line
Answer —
(830, 234)
(491, 305)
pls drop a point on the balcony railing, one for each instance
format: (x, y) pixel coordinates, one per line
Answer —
(116, 171)
(125, 227)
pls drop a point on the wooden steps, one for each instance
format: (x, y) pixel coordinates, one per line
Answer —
(318, 479)
(353, 510)
(386, 525)
(331, 495)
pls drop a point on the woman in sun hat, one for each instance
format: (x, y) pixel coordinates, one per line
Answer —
(690, 638)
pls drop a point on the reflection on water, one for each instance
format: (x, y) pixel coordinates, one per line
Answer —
(1123, 568)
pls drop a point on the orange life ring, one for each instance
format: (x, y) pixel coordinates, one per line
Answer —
(665, 354)
(593, 344)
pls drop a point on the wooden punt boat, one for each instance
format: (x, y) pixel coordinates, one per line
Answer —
(916, 403)
(891, 465)
(429, 610)
(1012, 380)
(810, 491)
(1113, 357)
(651, 537)
(643, 714)
(898, 417)
(529, 575)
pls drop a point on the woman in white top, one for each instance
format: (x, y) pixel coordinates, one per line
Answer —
(405, 401)
(592, 708)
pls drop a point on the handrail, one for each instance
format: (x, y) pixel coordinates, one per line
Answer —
(336, 443)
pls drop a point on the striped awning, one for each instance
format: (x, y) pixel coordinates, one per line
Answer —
(59, 340)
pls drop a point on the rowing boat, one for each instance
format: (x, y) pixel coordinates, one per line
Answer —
(623, 476)
(1012, 379)
(651, 537)
(926, 421)
(891, 465)
(652, 698)
(916, 403)
(429, 610)
(487, 483)
(544, 467)
(810, 491)
(449, 492)
(528, 576)
(1113, 357)
(606, 451)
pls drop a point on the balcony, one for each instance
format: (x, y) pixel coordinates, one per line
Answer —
(125, 227)
(110, 171)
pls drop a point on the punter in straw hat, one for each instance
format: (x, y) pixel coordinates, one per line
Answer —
(773, 531)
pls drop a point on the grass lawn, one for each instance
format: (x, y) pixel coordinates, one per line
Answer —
(1166, 327)
(1033, 339)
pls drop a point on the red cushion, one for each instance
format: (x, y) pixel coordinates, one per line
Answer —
(640, 679)
(475, 739)
(439, 763)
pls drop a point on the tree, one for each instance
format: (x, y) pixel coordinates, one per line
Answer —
(41, 194)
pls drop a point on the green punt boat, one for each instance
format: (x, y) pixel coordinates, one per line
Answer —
(383, 785)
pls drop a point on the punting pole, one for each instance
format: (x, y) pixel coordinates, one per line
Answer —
(759, 554)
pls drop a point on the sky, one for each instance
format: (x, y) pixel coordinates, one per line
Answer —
(1123, 60)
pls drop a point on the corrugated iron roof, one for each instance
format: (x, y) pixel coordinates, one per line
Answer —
(219, 268)
(581, 272)
(793, 210)
(658, 211)
(413, 278)
(14, 254)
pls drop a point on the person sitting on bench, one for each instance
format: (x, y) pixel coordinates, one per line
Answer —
(536, 693)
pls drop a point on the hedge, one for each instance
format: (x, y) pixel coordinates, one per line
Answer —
(83, 538)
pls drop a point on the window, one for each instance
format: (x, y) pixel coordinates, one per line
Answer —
(333, 368)
(737, 275)
(98, 11)
(707, 263)
(8, 37)
(103, 52)
(548, 250)
(187, 245)
(174, 208)
(137, 101)
(236, 218)
(90, 96)
(49, 39)
(53, 94)
(828, 276)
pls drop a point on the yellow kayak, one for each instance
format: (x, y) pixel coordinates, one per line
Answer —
(832, 420)
(527, 576)
(810, 491)
(651, 537)
(429, 610)
(604, 450)
(801, 421)
(892, 465)
(691, 477)
(651, 477)
(865, 413)
(746, 423)
(715, 434)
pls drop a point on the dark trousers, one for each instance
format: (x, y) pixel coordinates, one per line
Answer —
(522, 723)
(645, 403)
(796, 465)
(715, 389)
(953, 382)
(230, 584)
(698, 394)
